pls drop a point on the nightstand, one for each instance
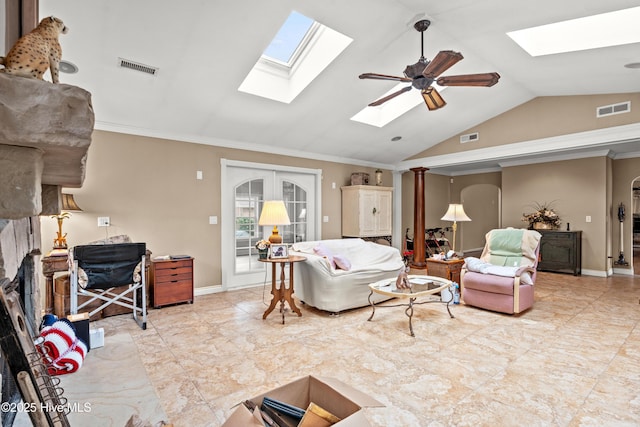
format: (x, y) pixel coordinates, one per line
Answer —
(447, 269)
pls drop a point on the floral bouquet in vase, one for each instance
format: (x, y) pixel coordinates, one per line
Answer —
(544, 218)
(263, 248)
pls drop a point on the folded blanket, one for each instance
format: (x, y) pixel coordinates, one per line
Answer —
(61, 350)
(479, 266)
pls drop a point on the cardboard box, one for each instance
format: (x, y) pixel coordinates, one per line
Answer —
(331, 394)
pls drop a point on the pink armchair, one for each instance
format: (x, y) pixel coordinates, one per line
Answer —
(503, 278)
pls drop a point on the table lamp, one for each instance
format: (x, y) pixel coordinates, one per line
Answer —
(68, 204)
(274, 213)
(455, 213)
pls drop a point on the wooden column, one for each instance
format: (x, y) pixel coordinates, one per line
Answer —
(419, 255)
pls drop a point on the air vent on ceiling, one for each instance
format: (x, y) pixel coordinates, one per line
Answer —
(469, 137)
(125, 63)
(608, 110)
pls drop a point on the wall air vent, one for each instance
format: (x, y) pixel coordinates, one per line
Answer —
(609, 110)
(470, 137)
(136, 66)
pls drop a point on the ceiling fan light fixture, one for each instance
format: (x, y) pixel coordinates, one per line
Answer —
(432, 98)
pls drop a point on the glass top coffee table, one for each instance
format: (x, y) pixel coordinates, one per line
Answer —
(421, 286)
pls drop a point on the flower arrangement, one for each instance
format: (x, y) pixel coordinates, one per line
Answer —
(543, 214)
(261, 245)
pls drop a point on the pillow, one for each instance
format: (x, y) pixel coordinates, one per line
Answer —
(323, 251)
(342, 262)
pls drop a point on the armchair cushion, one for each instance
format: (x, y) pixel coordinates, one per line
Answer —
(479, 266)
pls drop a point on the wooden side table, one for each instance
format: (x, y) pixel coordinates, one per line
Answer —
(447, 269)
(282, 293)
(50, 266)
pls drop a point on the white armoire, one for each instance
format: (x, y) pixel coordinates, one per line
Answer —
(366, 212)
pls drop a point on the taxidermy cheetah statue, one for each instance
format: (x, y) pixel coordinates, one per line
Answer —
(37, 51)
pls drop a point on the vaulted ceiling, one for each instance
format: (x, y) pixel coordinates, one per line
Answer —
(204, 49)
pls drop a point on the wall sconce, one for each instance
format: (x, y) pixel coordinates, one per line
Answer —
(274, 213)
(68, 204)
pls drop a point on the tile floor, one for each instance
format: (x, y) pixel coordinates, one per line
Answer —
(572, 360)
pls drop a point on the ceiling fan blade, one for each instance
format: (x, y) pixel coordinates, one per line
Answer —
(444, 60)
(384, 77)
(432, 98)
(388, 97)
(484, 79)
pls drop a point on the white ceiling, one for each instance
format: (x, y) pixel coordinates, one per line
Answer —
(204, 49)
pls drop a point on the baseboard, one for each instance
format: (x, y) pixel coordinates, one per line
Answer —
(623, 271)
(206, 290)
(596, 273)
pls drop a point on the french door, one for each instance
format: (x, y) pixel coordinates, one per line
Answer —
(245, 188)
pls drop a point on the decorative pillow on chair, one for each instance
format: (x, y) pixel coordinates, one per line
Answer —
(323, 251)
(342, 262)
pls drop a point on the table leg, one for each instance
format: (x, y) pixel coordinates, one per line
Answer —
(288, 293)
(274, 291)
(450, 314)
(409, 312)
(283, 291)
(373, 306)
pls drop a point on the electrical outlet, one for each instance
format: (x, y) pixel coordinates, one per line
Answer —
(103, 221)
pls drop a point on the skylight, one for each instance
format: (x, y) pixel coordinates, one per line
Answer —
(591, 32)
(289, 38)
(383, 114)
(299, 52)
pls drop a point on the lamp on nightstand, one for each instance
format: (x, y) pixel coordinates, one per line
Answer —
(274, 213)
(455, 213)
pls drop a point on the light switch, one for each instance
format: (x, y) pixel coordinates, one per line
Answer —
(325, 218)
(213, 220)
(333, 185)
(103, 221)
(588, 219)
(198, 174)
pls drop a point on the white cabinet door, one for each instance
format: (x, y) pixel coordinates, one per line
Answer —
(366, 211)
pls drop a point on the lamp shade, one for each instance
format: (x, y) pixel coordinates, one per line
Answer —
(455, 213)
(274, 213)
(68, 204)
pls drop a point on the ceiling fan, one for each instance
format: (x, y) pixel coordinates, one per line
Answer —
(423, 73)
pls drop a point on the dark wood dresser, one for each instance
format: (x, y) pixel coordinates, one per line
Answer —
(561, 251)
(171, 281)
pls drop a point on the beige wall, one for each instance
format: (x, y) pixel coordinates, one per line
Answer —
(148, 188)
(593, 186)
(541, 118)
(575, 188)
